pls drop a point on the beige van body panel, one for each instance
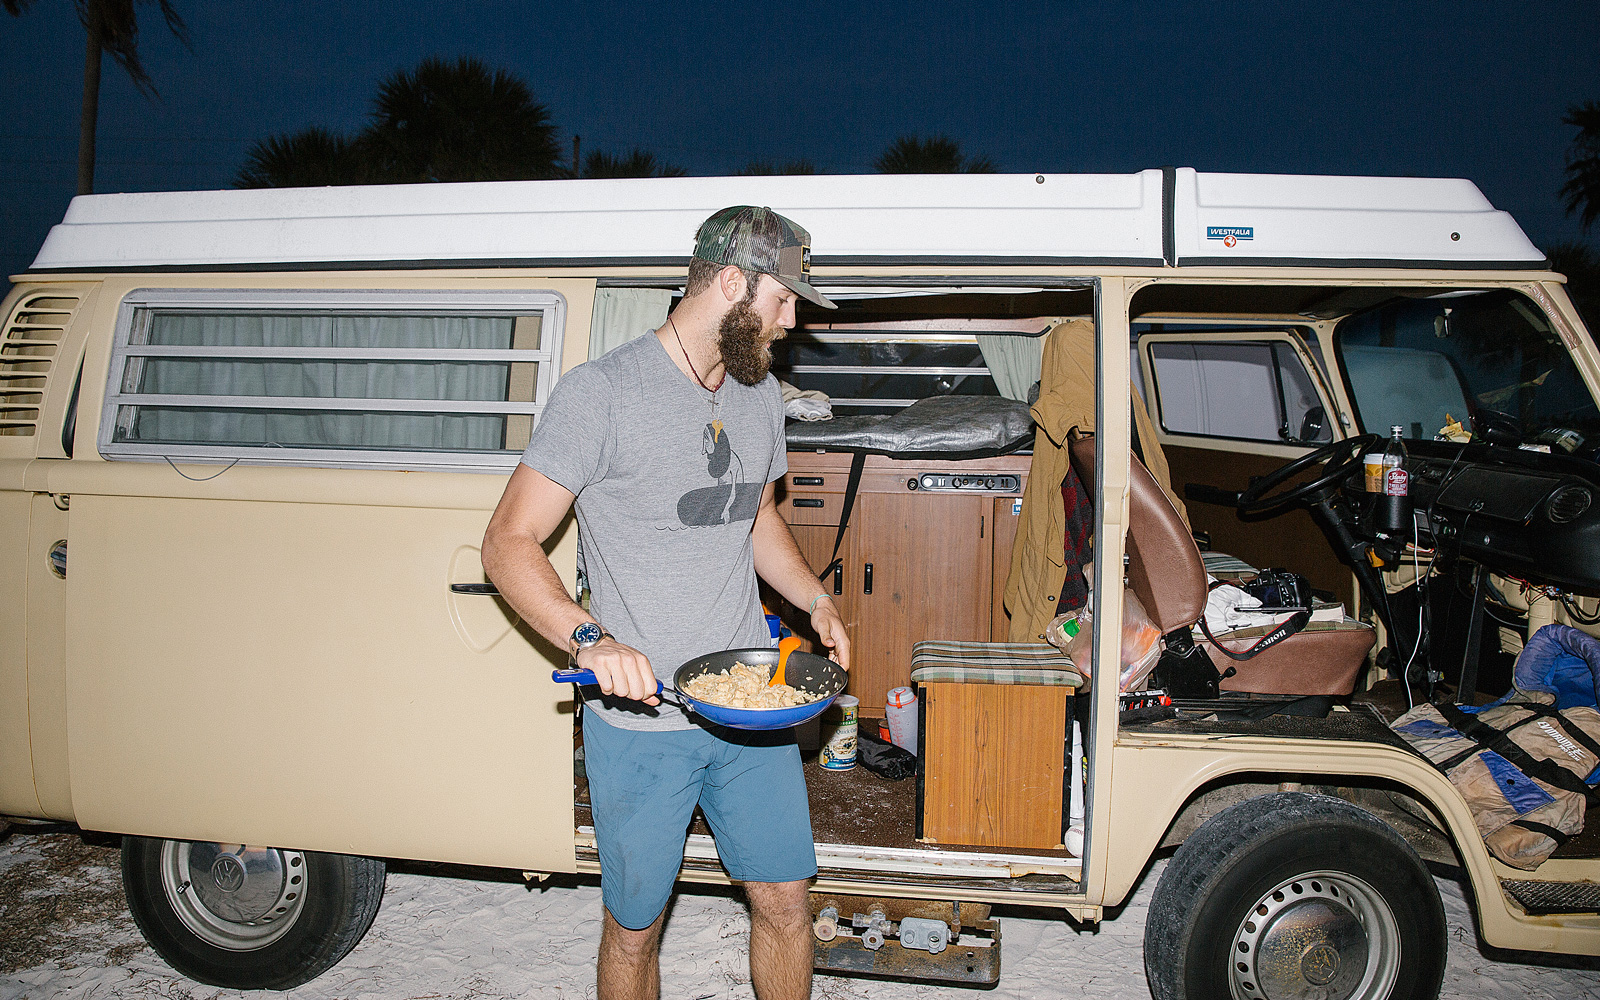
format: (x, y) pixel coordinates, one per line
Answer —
(1113, 436)
(17, 794)
(1154, 777)
(33, 770)
(213, 697)
(47, 657)
(210, 694)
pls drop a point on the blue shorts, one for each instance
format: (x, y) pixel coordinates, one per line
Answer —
(643, 787)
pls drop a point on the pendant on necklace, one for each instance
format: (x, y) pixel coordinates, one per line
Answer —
(716, 430)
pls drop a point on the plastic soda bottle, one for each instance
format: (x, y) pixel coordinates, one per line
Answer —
(1395, 504)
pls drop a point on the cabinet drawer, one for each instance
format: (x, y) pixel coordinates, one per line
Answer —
(825, 482)
(811, 507)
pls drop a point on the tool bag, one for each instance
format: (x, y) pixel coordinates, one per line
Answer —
(1526, 764)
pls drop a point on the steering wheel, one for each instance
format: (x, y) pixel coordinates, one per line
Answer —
(1342, 457)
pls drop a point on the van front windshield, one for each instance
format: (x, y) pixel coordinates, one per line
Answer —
(1482, 358)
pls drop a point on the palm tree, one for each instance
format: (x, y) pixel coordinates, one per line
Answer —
(935, 155)
(767, 168)
(1582, 189)
(460, 121)
(312, 157)
(109, 26)
(639, 163)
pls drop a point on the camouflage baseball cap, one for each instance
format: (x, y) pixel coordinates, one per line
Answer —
(759, 239)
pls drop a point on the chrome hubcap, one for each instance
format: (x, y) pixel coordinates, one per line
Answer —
(231, 896)
(1319, 936)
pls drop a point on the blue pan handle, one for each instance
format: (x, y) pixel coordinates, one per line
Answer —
(585, 677)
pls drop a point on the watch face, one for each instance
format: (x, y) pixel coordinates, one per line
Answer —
(586, 635)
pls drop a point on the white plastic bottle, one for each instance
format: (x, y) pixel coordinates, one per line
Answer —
(901, 711)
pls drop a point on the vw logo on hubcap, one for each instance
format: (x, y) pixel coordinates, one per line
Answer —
(228, 873)
(1320, 965)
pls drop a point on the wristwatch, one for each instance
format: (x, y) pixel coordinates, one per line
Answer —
(586, 635)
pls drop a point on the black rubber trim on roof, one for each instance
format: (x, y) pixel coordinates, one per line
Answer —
(1376, 262)
(679, 263)
(1169, 215)
(955, 260)
(888, 281)
(676, 263)
(431, 264)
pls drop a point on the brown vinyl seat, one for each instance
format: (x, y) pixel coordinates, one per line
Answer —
(1166, 573)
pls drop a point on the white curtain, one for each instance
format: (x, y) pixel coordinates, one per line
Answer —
(621, 314)
(1013, 361)
(323, 379)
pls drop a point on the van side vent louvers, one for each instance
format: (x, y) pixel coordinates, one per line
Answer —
(27, 353)
(1569, 502)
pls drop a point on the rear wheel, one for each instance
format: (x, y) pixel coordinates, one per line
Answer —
(249, 917)
(1295, 895)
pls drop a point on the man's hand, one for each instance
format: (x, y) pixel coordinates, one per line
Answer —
(825, 621)
(620, 670)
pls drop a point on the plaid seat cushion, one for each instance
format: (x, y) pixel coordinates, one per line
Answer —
(933, 661)
(1226, 567)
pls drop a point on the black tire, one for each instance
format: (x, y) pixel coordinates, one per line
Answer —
(1306, 892)
(256, 918)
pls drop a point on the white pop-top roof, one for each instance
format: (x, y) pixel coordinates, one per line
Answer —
(1154, 217)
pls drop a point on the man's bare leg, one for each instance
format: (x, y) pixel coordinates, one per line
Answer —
(630, 961)
(780, 939)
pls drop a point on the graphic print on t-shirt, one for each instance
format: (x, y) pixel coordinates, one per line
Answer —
(728, 501)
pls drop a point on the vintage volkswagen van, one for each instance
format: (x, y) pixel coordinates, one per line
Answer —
(250, 440)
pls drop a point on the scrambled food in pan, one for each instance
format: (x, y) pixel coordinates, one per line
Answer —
(744, 686)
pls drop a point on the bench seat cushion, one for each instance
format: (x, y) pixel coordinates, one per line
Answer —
(934, 661)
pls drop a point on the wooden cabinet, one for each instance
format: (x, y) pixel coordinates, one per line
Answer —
(916, 564)
(993, 764)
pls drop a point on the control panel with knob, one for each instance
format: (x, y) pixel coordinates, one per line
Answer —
(942, 482)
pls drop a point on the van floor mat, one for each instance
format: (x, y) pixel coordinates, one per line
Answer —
(1542, 898)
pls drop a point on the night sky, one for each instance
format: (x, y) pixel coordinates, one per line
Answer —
(1462, 89)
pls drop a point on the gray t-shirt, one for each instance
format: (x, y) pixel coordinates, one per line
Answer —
(668, 478)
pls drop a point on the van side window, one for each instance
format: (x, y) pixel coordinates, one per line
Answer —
(1253, 391)
(453, 379)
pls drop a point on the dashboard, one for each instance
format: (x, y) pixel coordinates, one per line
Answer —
(1520, 513)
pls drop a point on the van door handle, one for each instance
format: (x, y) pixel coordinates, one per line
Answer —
(474, 588)
(808, 480)
(806, 502)
(866, 579)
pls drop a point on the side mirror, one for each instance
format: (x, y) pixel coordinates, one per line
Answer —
(1313, 425)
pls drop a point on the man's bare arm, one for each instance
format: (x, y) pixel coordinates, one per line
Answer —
(778, 561)
(514, 558)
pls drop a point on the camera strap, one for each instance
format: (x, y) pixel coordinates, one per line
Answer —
(1296, 622)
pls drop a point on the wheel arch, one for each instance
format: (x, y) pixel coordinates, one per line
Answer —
(1163, 791)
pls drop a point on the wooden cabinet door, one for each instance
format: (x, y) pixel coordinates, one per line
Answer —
(1003, 528)
(930, 566)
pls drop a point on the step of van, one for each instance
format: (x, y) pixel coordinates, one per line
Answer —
(1540, 899)
(883, 936)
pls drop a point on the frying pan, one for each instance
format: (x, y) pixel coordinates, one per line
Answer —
(807, 672)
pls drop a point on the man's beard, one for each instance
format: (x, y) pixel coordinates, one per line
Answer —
(743, 343)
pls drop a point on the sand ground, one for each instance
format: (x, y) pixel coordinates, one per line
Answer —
(448, 934)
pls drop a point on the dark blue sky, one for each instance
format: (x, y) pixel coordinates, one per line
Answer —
(1464, 89)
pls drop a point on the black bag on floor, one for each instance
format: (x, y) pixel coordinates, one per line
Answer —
(883, 758)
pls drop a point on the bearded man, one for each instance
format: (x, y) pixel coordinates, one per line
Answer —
(671, 465)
